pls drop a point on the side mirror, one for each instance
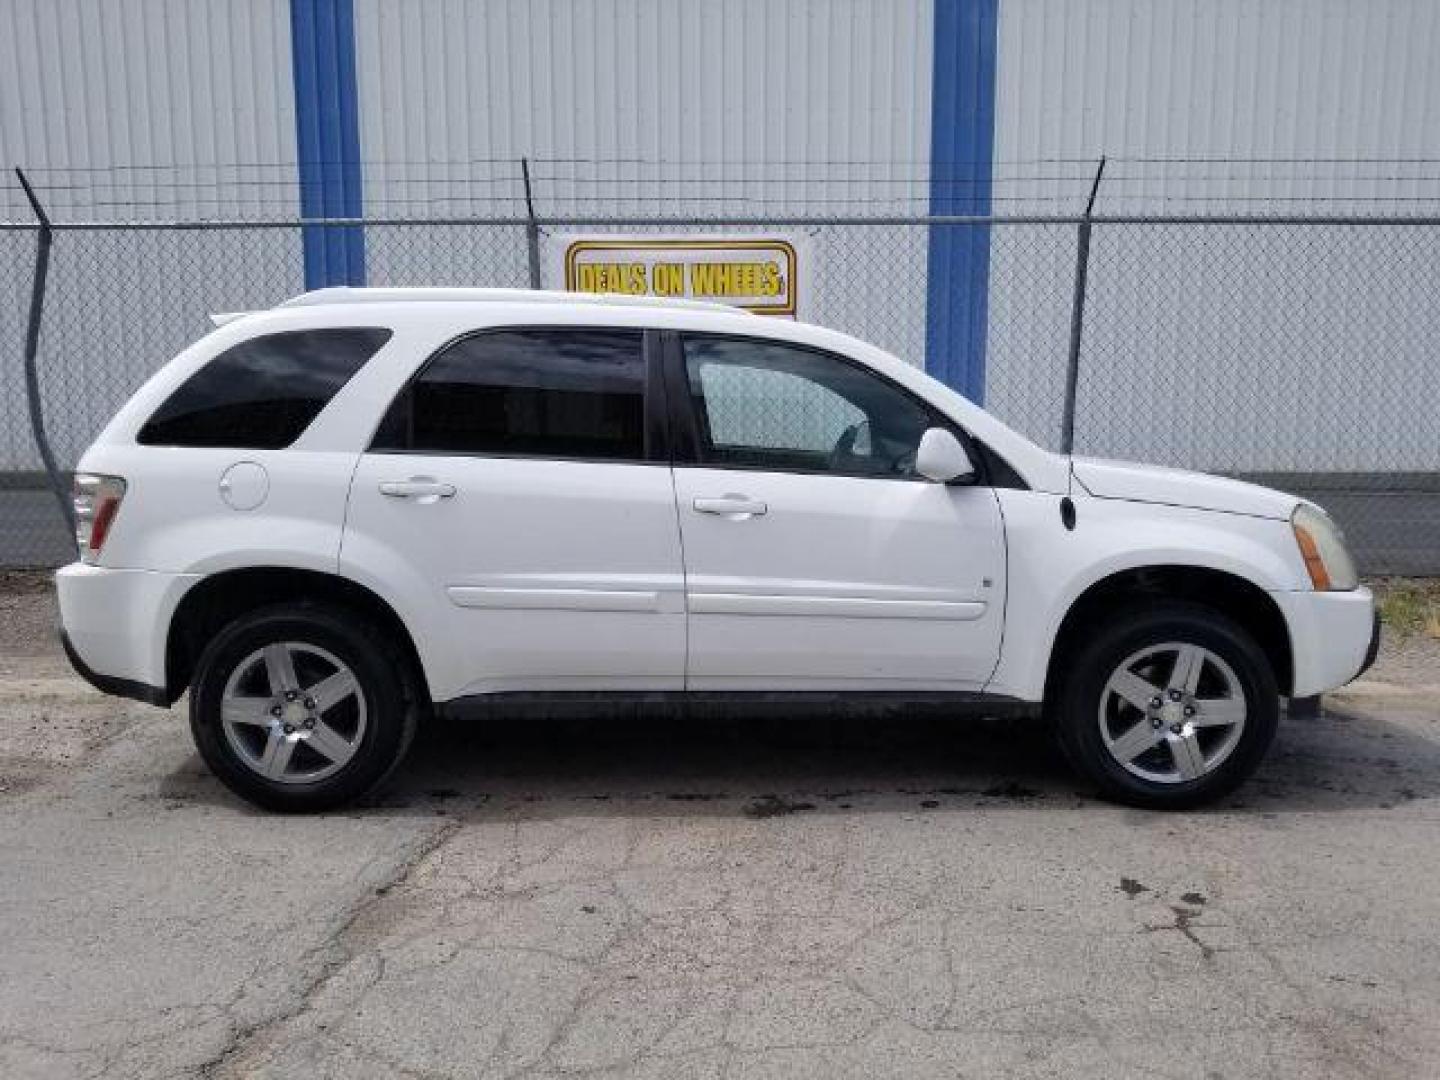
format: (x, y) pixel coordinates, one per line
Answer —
(942, 458)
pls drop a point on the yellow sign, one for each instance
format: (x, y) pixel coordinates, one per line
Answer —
(754, 273)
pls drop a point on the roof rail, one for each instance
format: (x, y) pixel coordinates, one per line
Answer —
(344, 294)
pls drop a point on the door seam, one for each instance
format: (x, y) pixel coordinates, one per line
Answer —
(668, 340)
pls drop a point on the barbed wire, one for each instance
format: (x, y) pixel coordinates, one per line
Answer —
(590, 184)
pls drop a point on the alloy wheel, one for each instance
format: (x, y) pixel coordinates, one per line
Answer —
(1172, 713)
(293, 712)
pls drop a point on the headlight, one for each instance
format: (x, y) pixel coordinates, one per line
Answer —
(1322, 546)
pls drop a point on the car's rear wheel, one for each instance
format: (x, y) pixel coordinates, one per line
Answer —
(299, 707)
(1168, 706)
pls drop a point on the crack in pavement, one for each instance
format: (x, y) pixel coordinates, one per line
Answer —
(333, 950)
(1185, 922)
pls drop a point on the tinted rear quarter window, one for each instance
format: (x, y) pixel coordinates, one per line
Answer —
(263, 393)
(539, 393)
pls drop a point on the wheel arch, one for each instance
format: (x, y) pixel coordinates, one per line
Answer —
(1227, 593)
(221, 597)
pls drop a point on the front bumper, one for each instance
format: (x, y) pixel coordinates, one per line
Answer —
(1334, 637)
(114, 626)
(1374, 650)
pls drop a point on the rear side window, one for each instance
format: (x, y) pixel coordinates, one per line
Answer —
(263, 393)
(534, 393)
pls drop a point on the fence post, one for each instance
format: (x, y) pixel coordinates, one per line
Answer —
(532, 228)
(32, 349)
(1077, 315)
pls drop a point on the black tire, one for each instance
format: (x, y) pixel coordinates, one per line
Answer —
(391, 704)
(1088, 669)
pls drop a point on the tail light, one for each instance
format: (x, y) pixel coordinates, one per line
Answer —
(97, 501)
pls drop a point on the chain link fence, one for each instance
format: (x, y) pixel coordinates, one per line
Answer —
(1296, 351)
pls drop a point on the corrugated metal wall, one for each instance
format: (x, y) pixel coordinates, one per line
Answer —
(632, 104)
(1180, 93)
(148, 108)
(648, 107)
(190, 107)
(138, 110)
(1193, 335)
(169, 109)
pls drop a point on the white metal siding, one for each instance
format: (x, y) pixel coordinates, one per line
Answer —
(1227, 348)
(146, 110)
(753, 103)
(659, 107)
(785, 107)
(1232, 79)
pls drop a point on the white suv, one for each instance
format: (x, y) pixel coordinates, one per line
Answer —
(329, 519)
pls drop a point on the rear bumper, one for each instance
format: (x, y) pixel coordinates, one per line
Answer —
(1334, 637)
(114, 625)
(109, 684)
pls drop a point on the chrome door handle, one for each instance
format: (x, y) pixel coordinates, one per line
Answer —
(733, 506)
(417, 487)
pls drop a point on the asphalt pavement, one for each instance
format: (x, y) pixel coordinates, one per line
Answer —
(653, 895)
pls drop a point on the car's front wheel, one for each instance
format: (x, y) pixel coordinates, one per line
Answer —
(299, 707)
(1168, 706)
